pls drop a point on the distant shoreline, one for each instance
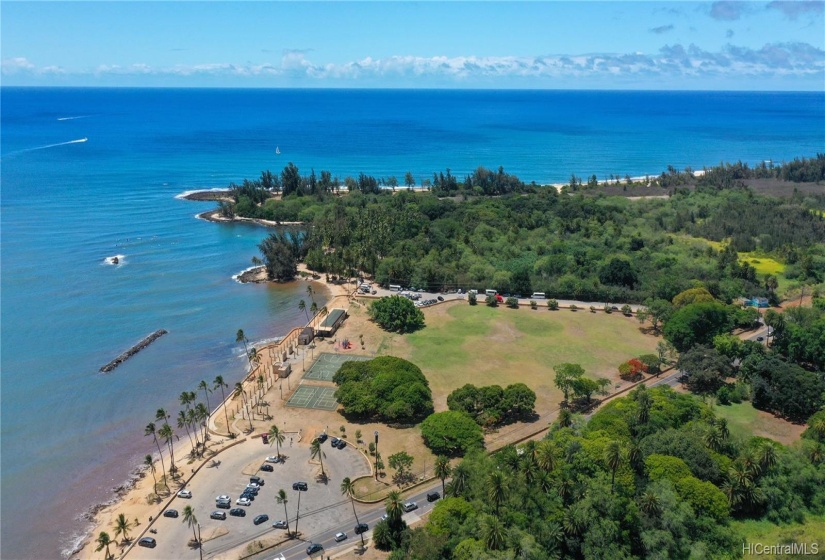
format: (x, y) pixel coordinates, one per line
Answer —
(215, 217)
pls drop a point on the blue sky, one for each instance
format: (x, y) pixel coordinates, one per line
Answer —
(727, 45)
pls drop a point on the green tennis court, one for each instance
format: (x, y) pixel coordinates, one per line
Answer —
(308, 396)
(326, 365)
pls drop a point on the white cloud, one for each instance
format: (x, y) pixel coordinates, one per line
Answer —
(672, 61)
(794, 9)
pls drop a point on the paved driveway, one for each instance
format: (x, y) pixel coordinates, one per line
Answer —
(322, 504)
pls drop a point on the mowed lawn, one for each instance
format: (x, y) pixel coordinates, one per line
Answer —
(485, 346)
(812, 531)
(745, 421)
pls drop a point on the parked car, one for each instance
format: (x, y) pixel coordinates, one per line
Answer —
(340, 537)
(281, 524)
(440, 298)
(341, 444)
(184, 494)
(148, 542)
(433, 496)
(273, 459)
(334, 441)
(322, 437)
(760, 338)
(253, 486)
(263, 518)
(256, 480)
(302, 486)
(170, 513)
(223, 498)
(252, 489)
(224, 504)
(267, 467)
(361, 528)
(409, 506)
(221, 515)
(237, 512)
(313, 548)
(243, 501)
(248, 496)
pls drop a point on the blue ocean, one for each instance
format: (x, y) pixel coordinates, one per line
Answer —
(93, 173)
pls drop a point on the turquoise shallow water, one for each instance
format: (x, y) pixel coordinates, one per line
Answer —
(69, 434)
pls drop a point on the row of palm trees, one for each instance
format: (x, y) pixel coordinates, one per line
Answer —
(194, 419)
(122, 528)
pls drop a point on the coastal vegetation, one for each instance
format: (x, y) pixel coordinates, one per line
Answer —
(397, 314)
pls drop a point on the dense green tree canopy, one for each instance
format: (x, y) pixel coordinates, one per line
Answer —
(385, 388)
(451, 433)
(493, 405)
(697, 323)
(396, 314)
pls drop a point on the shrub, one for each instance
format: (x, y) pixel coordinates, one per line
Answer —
(451, 433)
(723, 395)
(491, 301)
(574, 307)
(533, 305)
(552, 305)
(472, 299)
(512, 302)
(396, 314)
(651, 363)
(627, 310)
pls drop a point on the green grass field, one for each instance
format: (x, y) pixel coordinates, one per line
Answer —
(812, 531)
(744, 421)
(762, 264)
(485, 346)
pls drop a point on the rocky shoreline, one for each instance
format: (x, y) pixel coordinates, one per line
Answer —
(207, 195)
(215, 217)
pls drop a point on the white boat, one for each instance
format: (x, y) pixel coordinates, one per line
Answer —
(277, 150)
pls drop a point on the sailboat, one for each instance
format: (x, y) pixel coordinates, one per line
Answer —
(277, 151)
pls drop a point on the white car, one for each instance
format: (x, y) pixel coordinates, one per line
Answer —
(409, 506)
(253, 485)
(273, 459)
(243, 502)
(223, 498)
(340, 537)
(184, 494)
(280, 525)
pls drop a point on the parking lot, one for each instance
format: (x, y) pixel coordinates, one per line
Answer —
(321, 506)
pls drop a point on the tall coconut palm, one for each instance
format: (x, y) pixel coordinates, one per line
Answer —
(649, 503)
(206, 390)
(239, 391)
(496, 489)
(317, 453)
(297, 513)
(348, 490)
(150, 465)
(122, 527)
(313, 309)
(151, 431)
(302, 306)
(167, 434)
(186, 399)
(241, 337)
(442, 471)
(219, 383)
(183, 422)
(461, 476)
(191, 521)
(311, 293)
(565, 419)
(202, 418)
(281, 499)
(192, 420)
(613, 456)
(277, 437)
(103, 541)
(161, 415)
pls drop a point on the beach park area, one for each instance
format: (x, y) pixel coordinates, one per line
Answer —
(460, 344)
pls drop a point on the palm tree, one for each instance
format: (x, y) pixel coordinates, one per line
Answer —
(122, 527)
(192, 419)
(393, 506)
(613, 458)
(492, 532)
(219, 383)
(297, 513)
(348, 490)
(302, 306)
(442, 471)
(150, 464)
(565, 418)
(496, 489)
(183, 422)
(545, 457)
(311, 293)
(313, 309)
(150, 431)
(276, 436)
(281, 499)
(241, 337)
(168, 434)
(767, 456)
(649, 503)
(103, 541)
(461, 476)
(161, 415)
(317, 453)
(192, 521)
(202, 417)
(206, 390)
(239, 391)
(186, 398)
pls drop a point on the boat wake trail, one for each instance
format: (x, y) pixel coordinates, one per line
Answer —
(78, 141)
(72, 118)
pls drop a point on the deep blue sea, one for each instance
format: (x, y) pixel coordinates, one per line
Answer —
(69, 433)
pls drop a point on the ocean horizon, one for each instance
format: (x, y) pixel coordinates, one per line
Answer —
(92, 173)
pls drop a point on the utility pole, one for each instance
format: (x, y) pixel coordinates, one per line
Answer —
(376, 454)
